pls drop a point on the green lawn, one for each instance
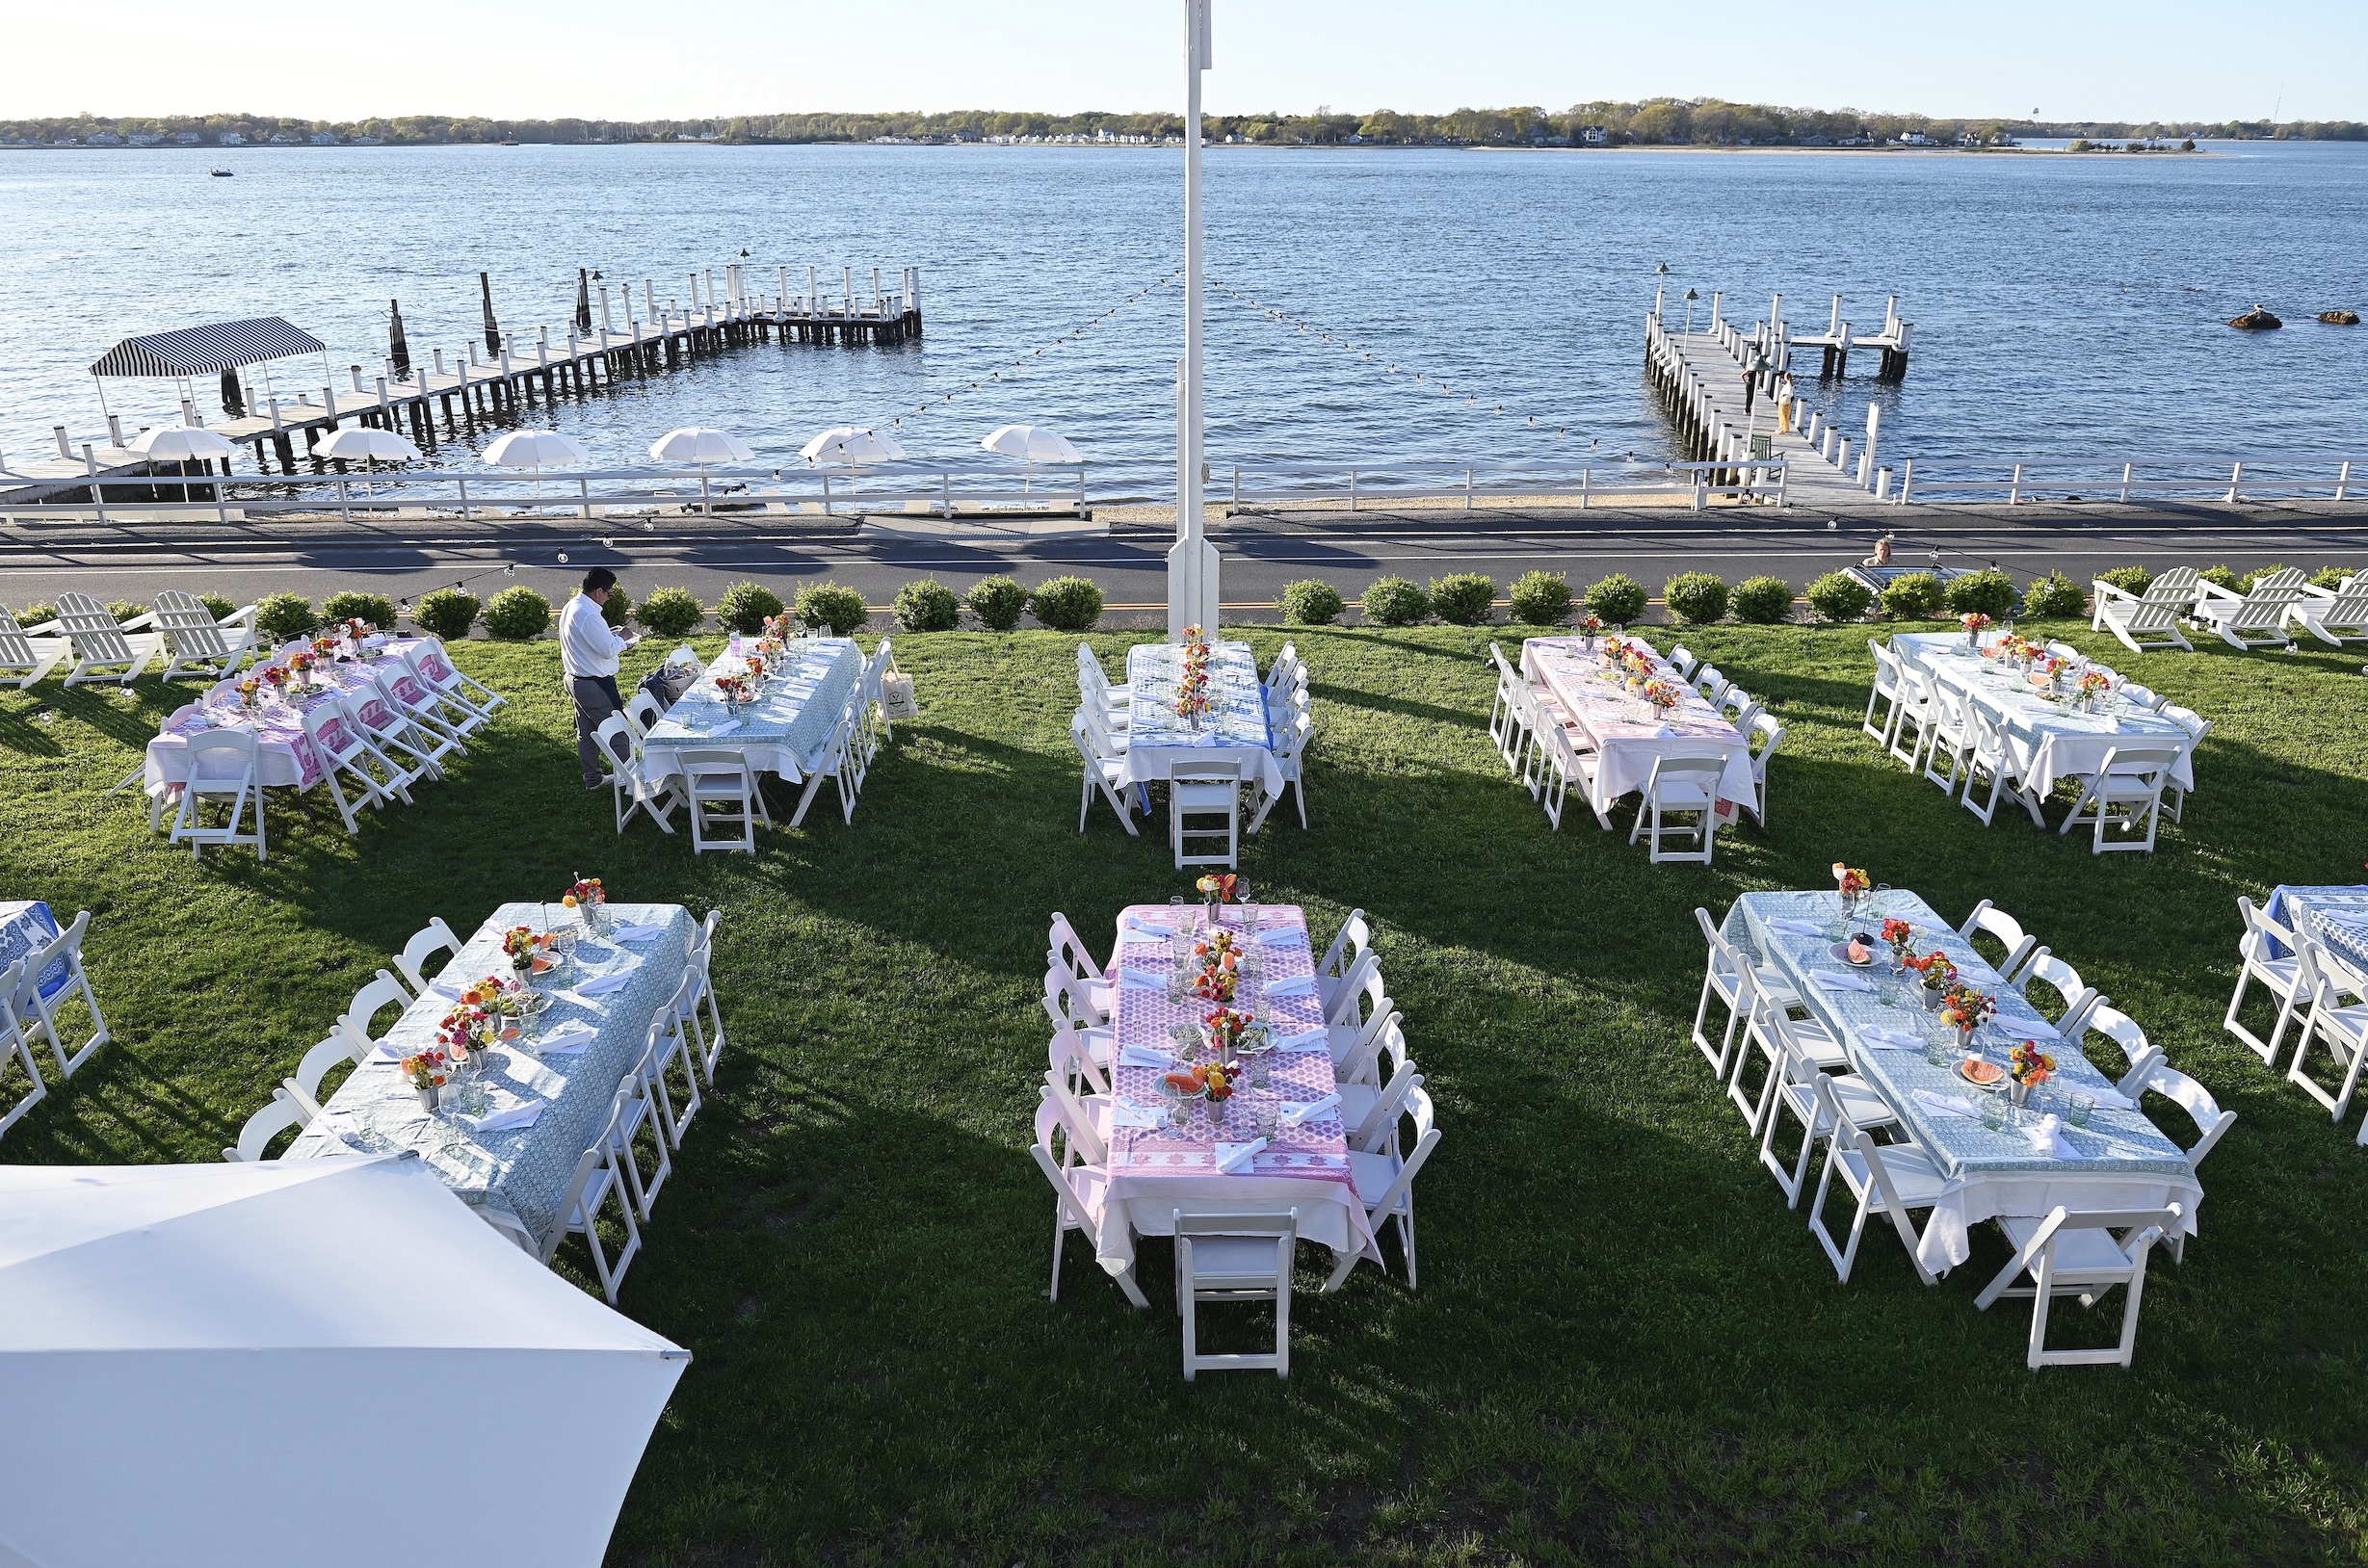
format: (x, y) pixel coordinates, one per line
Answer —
(1624, 1348)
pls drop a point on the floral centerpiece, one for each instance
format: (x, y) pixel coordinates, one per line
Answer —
(2031, 1067)
(522, 946)
(1590, 629)
(2047, 670)
(1218, 888)
(588, 898)
(1964, 1009)
(426, 1071)
(248, 691)
(301, 665)
(1638, 667)
(733, 690)
(1975, 624)
(1854, 885)
(1935, 976)
(1208, 1080)
(1663, 695)
(2093, 684)
(1224, 1030)
(1902, 936)
(329, 644)
(274, 679)
(1220, 958)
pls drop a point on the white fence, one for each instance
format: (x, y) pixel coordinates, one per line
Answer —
(1357, 485)
(2304, 477)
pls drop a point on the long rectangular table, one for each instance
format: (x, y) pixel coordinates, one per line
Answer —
(26, 927)
(1628, 738)
(516, 1178)
(2128, 1164)
(1236, 724)
(2046, 739)
(2337, 916)
(1155, 1171)
(783, 731)
(284, 756)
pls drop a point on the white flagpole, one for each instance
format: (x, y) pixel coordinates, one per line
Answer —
(1193, 569)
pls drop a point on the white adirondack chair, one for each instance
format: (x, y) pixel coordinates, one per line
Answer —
(2335, 618)
(2149, 620)
(102, 650)
(195, 642)
(24, 658)
(2256, 619)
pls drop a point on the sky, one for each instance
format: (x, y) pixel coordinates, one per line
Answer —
(625, 58)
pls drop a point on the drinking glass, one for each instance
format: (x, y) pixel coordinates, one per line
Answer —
(1993, 1111)
(1185, 1040)
(2079, 1108)
(1267, 1118)
(1936, 1050)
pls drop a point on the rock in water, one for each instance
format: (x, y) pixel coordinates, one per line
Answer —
(2255, 319)
(2340, 318)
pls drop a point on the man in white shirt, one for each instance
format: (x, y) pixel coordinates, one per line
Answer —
(589, 651)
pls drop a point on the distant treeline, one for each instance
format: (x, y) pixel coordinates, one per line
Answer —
(1656, 122)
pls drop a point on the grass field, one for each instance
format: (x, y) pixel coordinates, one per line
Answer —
(1625, 1348)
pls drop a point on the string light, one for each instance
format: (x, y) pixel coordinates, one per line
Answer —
(1076, 334)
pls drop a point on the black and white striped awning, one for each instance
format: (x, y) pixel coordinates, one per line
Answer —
(202, 351)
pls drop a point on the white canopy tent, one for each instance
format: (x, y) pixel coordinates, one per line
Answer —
(233, 1364)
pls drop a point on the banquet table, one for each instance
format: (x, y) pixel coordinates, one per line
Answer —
(2337, 916)
(2126, 1161)
(1236, 724)
(1628, 735)
(2046, 739)
(284, 757)
(26, 927)
(1155, 1170)
(515, 1178)
(783, 731)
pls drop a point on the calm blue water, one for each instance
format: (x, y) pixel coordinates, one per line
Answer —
(2062, 306)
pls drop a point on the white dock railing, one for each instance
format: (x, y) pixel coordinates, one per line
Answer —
(1385, 482)
(2228, 479)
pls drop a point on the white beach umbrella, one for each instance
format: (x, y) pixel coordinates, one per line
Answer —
(181, 443)
(692, 444)
(1031, 444)
(536, 450)
(370, 446)
(845, 444)
(166, 1330)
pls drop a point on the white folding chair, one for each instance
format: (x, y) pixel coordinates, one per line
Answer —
(1739, 707)
(1892, 1180)
(2077, 1253)
(2342, 1026)
(25, 658)
(1069, 1057)
(2019, 945)
(445, 692)
(409, 754)
(1565, 765)
(1731, 978)
(1949, 738)
(340, 746)
(642, 710)
(1345, 1004)
(16, 1046)
(1349, 944)
(1770, 732)
(670, 1038)
(631, 786)
(2212, 1123)
(707, 1037)
(1988, 752)
(719, 790)
(221, 769)
(433, 736)
(2079, 999)
(1234, 1258)
(1710, 684)
(1291, 737)
(645, 1112)
(1886, 693)
(382, 991)
(1355, 1049)
(1069, 949)
(1066, 1006)
(1079, 1193)
(1506, 721)
(282, 1115)
(61, 956)
(1911, 715)
(1680, 786)
(338, 1048)
(426, 943)
(2259, 960)
(432, 654)
(2144, 697)
(1769, 1033)
(595, 1180)
(1280, 672)
(1385, 1181)
(2119, 1027)
(2126, 791)
(1201, 791)
(1369, 1108)
(1105, 770)
(1800, 1087)
(2197, 727)
(1683, 662)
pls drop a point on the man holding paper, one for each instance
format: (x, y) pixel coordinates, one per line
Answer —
(588, 652)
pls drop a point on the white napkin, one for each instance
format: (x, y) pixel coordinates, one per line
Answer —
(385, 1050)
(1891, 1039)
(1142, 926)
(726, 728)
(638, 933)
(2046, 1135)
(1232, 1157)
(1145, 1056)
(2105, 1094)
(1294, 1115)
(339, 1123)
(1139, 980)
(1128, 1113)
(496, 1121)
(1835, 981)
(1797, 928)
(1943, 1104)
(1314, 1039)
(445, 987)
(588, 994)
(1977, 971)
(2037, 1029)
(1281, 936)
(1295, 985)
(566, 1039)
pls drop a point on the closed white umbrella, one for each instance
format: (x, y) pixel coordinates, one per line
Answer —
(536, 450)
(692, 444)
(1031, 444)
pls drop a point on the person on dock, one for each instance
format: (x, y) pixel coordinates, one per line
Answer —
(1784, 403)
(589, 651)
(1883, 553)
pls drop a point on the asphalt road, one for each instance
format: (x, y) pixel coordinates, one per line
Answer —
(1261, 552)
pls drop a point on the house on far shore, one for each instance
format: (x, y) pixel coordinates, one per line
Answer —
(105, 138)
(231, 139)
(187, 139)
(323, 138)
(1593, 136)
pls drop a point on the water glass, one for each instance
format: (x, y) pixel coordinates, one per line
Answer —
(1267, 1118)
(2079, 1108)
(1936, 1051)
(1993, 1111)
(1185, 1040)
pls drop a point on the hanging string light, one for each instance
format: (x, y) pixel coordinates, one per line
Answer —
(1076, 334)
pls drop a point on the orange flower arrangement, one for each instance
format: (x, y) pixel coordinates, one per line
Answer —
(425, 1069)
(2031, 1064)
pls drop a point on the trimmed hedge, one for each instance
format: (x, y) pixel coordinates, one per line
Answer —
(1990, 592)
(1617, 599)
(997, 602)
(123, 610)
(2220, 576)
(1310, 602)
(518, 615)
(829, 607)
(220, 609)
(618, 609)
(1696, 598)
(671, 612)
(1762, 601)
(745, 607)
(2244, 583)
(927, 606)
(1540, 598)
(446, 613)
(36, 613)
(1393, 601)
(1838, 598)
(1912, 597)
(350, 605)
(1464, 598)
(2330, 578)
(1067, 603)
(2128, 579)
(280, 617)
(2054, 597)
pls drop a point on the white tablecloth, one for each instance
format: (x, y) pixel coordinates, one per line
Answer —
(1235, 726)
(1628, 741)
(782, 732)
(2047, 740)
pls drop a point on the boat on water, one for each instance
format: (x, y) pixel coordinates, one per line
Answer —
(222, 173)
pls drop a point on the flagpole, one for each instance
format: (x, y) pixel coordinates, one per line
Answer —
(1193, 569)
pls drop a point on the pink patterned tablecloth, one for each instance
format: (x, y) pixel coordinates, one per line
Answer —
(1628, 741)
(286, 758)
(1153, 1172)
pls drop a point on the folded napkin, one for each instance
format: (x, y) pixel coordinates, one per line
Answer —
(1797, 928)
(1977, 971)
(1232, 1157)
(1295, 985)
(1128, 1113)
(1144, 928)
(616, 979)
(2105, 1094)
(1944, 1105)
(1891, 1039)
(1833, 979)
(1281, 936)
(2036, 1029)
(2046, 1135)
(385, 1051)
(1314, 1039)
(1132, 978)
(726, 728)
(496, 1121)
(1293, 1115)
(1145, 1056)
(638, 933)
(445, 987)
(566, 1039)
(340, 1124)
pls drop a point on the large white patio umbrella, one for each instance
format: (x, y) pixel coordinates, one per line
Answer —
(536, 450)
(203, 1363)
(181, 443)
(848, 445)
(369, 445)
(1031, 444)
(692, 444)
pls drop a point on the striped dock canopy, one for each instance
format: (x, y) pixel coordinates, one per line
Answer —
(202, 351)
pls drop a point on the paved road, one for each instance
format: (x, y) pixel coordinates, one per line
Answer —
(1262, 551)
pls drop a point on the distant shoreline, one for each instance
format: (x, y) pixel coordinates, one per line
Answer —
(1788, 149)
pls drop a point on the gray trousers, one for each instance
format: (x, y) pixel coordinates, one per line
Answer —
(595, 698)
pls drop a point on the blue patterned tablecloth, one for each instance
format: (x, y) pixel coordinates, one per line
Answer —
(785, 728)
(516, 1178)
(26, 927)
(2130, 1163)
(1237, 720)
(2337, 916)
